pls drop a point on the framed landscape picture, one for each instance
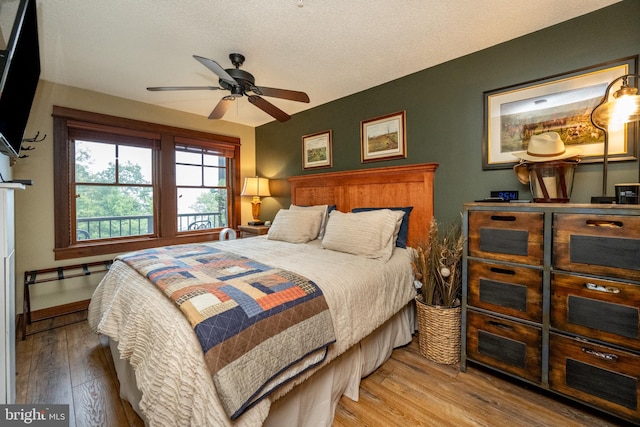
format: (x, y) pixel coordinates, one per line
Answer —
(316, 150)
(383, 138)
(562, 104)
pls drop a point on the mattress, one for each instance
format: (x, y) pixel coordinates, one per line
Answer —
(155, 339)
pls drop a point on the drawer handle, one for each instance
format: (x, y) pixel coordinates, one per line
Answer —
(502, 271)
(600, 288)
(600, 355)
(503, 218)
(604, 223)
(501, 325)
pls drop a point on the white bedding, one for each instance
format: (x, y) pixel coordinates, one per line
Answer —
(176, 389)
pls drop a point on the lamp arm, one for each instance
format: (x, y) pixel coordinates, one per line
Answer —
(605, 152)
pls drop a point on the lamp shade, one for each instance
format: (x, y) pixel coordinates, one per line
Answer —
(254, 186)
(624, 108)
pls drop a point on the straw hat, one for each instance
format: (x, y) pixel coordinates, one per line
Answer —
(547, 147)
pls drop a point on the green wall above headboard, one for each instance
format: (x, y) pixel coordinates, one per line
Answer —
(444, 112)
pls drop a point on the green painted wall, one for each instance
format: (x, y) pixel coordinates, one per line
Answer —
(444, 107)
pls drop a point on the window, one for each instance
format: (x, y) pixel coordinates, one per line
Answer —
(123, 185)
(112, 190)
(201, 184)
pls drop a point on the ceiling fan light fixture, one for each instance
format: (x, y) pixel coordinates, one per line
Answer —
(237, 91)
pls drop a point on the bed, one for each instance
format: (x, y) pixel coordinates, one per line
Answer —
(161, 367)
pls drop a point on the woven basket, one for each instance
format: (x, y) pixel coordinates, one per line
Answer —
(439, 332)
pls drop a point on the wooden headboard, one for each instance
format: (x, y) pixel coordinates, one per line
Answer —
(397, 186)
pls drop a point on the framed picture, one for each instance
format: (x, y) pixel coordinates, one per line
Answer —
(561, 103)
(383, 138)
(316, 150)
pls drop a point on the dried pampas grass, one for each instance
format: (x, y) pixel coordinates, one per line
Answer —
(438, 264)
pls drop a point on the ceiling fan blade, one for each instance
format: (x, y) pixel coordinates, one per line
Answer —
(222, 107)
(216, 68)
(292, 95)
(269, 108)
(161, 88)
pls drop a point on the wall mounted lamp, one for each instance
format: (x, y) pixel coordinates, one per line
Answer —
(624, 108)
(256, 188)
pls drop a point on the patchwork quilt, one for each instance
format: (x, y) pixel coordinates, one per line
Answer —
(253, 321)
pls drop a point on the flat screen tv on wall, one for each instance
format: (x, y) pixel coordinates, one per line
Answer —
(20, 68)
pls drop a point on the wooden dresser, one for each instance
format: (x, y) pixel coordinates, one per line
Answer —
(551, 295)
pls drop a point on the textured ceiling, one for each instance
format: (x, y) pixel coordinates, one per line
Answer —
(326, 48)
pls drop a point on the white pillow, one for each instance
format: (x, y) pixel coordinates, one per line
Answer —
(322, 208)
(371, 234)
(295, 226)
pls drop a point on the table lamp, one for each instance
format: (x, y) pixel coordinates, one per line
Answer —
(256, 188)
(624, 108)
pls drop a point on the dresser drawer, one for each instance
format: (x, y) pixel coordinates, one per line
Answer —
(598, 375)
(513, 291)
(505, 345)
(602, 309)
(506, 236)
(606, 245)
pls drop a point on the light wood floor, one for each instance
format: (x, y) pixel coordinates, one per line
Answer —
(72, 365)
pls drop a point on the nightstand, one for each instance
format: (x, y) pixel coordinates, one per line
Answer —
(252, 230)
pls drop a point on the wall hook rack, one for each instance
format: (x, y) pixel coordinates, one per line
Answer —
(35, 138)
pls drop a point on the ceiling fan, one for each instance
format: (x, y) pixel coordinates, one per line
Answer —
(240, 83)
